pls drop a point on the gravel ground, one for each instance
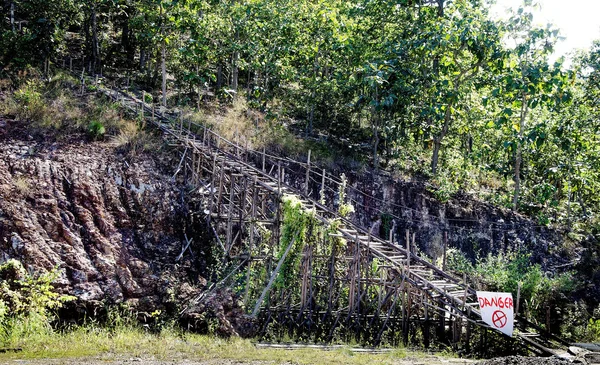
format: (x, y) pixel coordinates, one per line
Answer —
(521, 360)
(429, 360)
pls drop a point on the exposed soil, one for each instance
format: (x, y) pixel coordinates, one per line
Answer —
(113, 224)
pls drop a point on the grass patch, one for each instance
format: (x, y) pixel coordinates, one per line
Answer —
(55, 108)
(172, 345)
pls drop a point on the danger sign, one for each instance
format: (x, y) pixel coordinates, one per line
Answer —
(497, 310)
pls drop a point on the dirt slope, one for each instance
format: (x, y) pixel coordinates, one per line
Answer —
(111, 225)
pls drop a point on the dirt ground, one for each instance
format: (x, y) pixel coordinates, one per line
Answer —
(132, 361)
(428, 360)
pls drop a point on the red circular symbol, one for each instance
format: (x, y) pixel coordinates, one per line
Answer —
(499, 319)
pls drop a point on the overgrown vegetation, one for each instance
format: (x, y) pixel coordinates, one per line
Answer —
(545, 298)
(27, 303)
(437, 89)
(55, 109)
(27, 308)
(171, 345)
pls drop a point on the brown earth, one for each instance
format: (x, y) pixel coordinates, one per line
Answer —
(113, 224)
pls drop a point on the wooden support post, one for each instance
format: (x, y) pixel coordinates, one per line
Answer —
(71, 64)
(307, 179)
(242, 207)
(405, 315)
(441, 321)
(518, 298)
(466, 293)
(445, 249)
(143, 103)
(222, 172)
(229, 242)
(469, 326)
(212, 189)
(251, 239)
(200, 160)
(304, 288)
(180, 123)
(358, 275)
(407, 250)
(322, 192)
(263, 159)
(426, 334)
(352, 292)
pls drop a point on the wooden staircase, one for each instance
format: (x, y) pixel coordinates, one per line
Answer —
(454, 295)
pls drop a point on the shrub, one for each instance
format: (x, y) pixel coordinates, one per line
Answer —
(96, 130)
(133, 139)
(29, 102)
(540, 292)
(27, 302)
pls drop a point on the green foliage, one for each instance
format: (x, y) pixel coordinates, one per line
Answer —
(96, 130)
(506, 272)
(593, 329)
(27, 302)
(30, 104)
(344, 208)
(300, 225)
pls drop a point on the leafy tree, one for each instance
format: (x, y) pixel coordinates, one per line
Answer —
(527, 82)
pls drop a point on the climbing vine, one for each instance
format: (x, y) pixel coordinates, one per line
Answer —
(301, 226)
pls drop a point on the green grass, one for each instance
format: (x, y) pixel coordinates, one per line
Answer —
(91, 342)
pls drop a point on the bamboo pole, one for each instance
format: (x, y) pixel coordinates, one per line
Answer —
(307, 179)
(273, 276)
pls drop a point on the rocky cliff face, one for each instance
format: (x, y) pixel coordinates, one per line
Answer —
(383, 203)
(474, 227)
(113, 226)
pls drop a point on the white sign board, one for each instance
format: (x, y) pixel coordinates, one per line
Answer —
(497, 310)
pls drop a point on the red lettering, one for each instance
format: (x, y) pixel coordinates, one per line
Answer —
(500, 302)
(495, 301)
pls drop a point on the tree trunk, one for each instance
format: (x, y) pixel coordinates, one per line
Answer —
(127, 43)
(437, 143)
(234, 64)
(219, 77)
(375, 147)
(95, 46)
(142, 59)
(235, 71)
(375, 132)
(163, 66)
(12, 15)
(519, 152)
(437, 140)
